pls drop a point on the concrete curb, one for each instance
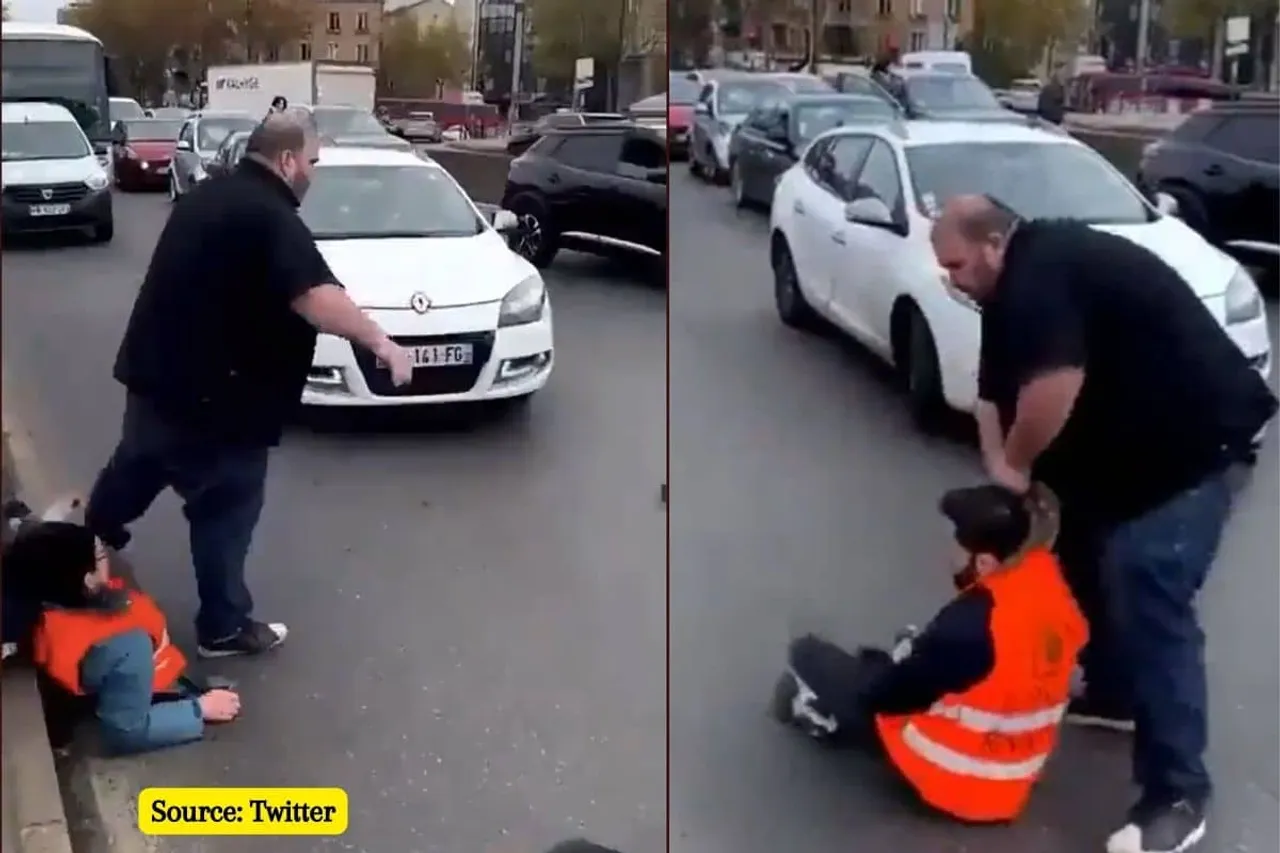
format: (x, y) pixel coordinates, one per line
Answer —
(35, 818)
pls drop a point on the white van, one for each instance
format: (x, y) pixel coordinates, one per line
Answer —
(52, 179)
(950, 61)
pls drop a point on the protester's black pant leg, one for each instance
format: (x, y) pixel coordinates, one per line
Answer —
(1156, 565)
(1104, 659)
(839, 678)
(223, 489)
(133, 477)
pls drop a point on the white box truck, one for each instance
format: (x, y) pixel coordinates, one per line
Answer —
(252, 88)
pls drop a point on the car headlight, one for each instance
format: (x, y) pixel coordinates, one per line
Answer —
(97, 181)
(523, 303)
(1243, 301)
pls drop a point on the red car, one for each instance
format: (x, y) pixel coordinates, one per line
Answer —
(142, 152)
(682, 94)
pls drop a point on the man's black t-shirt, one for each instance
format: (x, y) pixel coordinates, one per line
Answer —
(1168, 398)
(213, 341)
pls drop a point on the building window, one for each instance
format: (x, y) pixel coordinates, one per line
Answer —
(919, 40)
(304, 51)
(917, 8)
(953, 9)
(883, 7)
(780, 33)
(362, 22)
(335, 22)
(362, 53)
(333, 51)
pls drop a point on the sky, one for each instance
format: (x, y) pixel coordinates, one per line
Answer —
(35, 10)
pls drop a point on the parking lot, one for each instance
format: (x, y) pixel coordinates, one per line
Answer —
(809, 504)
(477, 609)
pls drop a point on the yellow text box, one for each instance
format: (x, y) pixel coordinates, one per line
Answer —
(243, 811)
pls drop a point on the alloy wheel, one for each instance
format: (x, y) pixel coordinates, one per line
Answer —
(528, 236)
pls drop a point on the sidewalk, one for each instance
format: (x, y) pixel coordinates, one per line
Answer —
(34, 818)
(1128, 124)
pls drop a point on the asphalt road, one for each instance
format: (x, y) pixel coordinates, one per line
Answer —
(803, 499)
(478, 615)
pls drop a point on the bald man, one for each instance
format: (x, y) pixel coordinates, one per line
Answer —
(1102, 375)
(214, 361)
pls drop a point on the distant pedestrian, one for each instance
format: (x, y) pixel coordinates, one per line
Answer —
(1051, 105)
(214, 361)
(1103, 376)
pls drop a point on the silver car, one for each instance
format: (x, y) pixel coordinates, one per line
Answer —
(724, 102)
(198, 142)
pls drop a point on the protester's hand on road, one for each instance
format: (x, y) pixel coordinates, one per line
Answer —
(397, 360)
(220, 706)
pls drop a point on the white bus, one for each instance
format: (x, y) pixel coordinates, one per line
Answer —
(61, 65)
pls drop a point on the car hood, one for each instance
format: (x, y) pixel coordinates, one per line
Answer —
(149, 149)
(373, 141)
(985, 115)
(1202, 266)
(451, 271)
(30, 172)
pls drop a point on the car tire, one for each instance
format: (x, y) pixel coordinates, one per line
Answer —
(535, 240)
(173, 187)
(695, 168)
(103, 232)
(737, 188)
(915, 357)
(793, 309)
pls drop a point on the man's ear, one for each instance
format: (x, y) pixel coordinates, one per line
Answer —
(986, 563)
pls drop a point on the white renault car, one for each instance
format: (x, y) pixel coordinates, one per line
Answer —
(850, 243)
(430, 267)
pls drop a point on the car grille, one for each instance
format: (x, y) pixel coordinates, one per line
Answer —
(429, 380)
(57, 193)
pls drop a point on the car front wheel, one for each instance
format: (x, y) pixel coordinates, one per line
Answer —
(915, 356)
(534, 239)
(793, 309)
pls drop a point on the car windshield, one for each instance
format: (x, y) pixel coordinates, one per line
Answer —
(370, 202)
(807, 85)
(950, 92)
(812, 119)
(43, 140)
(152, 129)
(213, 130)
(951, 67)
(346, 122)
(1037, 180)
(124, 108)
(682, 90)
(738, 99)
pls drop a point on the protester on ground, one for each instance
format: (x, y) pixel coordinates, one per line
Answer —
(214, 361)
(1103, 376)
(968, 710)
(95, 638)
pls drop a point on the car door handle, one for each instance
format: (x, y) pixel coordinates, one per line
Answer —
(553, 178)
(838, 238)
(798, 207)
(1213, 171)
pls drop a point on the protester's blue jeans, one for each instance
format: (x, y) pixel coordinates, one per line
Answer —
(1152, 570)
(222, 487)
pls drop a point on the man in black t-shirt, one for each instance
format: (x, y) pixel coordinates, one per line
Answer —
(1104, 376)
(214, 361)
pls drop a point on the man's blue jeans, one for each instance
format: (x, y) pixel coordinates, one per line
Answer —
(222, 487)
(1152, 570)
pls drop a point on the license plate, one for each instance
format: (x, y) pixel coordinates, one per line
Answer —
(439, 355)
(50, 209)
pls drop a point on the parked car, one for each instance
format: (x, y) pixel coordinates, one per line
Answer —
(522, 140)
(352, 126)
(950, 96)
(170, 113)
(1022, 96)
(858, 81)
(723, 103)
(142, 152)
(122, 109)
(420, 127)
(229, 153)
(198, 142)
(596, 188)
(682, 94)
(850, 242)
(1223, 168)
(772, 138)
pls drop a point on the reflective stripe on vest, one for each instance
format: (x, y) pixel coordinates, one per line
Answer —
(964, 765)
(986, 722)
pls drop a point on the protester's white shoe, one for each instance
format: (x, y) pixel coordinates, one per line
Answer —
(257, 638)
(1174, 828)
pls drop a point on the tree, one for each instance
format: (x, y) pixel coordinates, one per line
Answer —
(689, 31)
(1200, 18)
(140, 34)
(1013, 35)
(6, 11)
(415, 61)
(564, 30)
(270, 25)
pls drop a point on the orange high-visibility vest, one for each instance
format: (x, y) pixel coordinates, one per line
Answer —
(976, 755)
(64, 637)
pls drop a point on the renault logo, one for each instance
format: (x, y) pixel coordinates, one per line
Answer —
(420, 303)
(46, 194)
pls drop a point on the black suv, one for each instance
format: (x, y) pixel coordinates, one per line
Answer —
(1222, 166)
(600, 189)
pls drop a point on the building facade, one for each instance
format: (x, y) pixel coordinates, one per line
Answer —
(495, 51)
(343, 31)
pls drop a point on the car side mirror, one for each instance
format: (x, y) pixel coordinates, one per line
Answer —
(505, 222)
(1166, 205)
(869, 211)
(701, 109)
(183, 145)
